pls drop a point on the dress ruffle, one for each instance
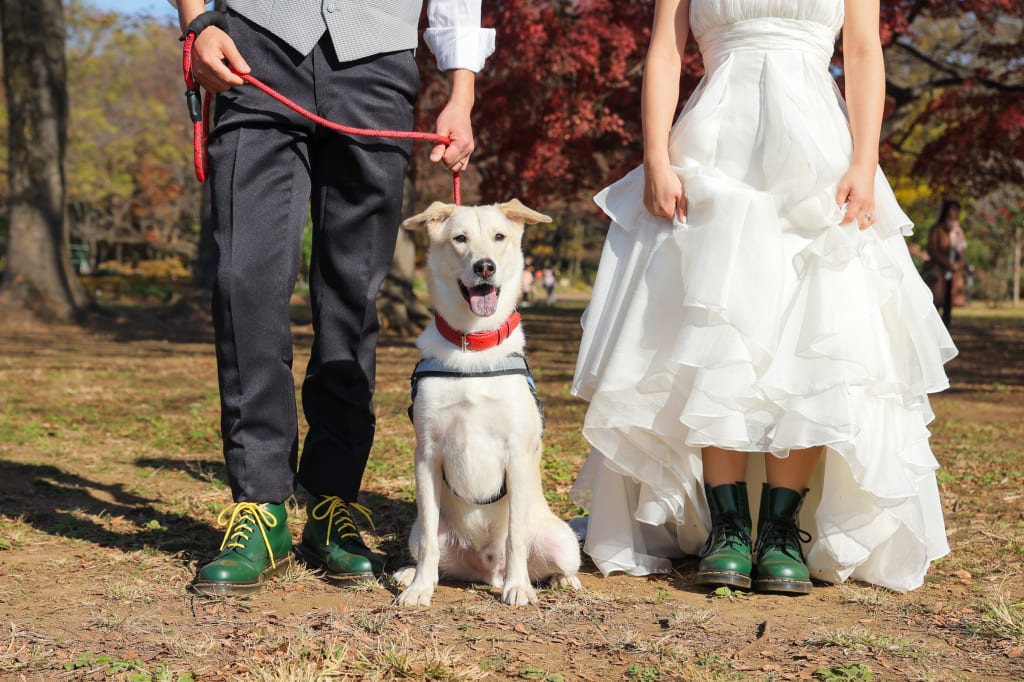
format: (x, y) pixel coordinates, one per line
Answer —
(765, 323)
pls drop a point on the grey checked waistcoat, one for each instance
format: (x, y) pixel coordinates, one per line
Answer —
(358, 28)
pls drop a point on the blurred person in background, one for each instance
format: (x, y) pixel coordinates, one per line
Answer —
(946, 270)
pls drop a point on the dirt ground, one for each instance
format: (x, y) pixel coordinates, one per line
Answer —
(111, 481)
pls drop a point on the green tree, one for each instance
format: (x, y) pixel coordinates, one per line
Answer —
(956, 91)
(130, 178)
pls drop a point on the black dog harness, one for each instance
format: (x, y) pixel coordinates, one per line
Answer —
(514, 363)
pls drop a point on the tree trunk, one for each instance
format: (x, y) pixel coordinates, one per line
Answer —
(39, 276)
(1018, 247)
(398, 308)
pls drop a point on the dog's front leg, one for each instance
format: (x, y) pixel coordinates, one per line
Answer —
(428, 505)
(517, 590)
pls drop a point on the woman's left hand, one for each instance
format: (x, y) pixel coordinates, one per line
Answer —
(857, 192)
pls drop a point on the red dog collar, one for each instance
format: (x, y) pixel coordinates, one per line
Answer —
(478, 340)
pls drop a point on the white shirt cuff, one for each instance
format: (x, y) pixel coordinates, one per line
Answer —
(457, 47)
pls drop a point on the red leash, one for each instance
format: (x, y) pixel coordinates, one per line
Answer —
(199, 111)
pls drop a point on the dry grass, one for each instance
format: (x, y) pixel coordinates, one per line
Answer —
(111, 481)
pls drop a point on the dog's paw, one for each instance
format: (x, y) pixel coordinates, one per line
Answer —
(566, 581)
(404, 576)
(519, 595)
(415, 596)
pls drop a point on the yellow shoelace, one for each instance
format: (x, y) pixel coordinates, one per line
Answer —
(331, 506)
(246, 517)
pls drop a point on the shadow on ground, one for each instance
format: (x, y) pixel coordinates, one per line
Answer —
(68, 505)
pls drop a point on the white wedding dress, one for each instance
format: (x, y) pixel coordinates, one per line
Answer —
(765, 323)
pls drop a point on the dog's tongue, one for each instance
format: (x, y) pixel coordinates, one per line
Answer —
(483, 300)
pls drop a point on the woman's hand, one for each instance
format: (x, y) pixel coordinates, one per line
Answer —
(857, 191)
(663, 192)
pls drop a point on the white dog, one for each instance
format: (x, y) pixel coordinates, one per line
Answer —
(482, 516)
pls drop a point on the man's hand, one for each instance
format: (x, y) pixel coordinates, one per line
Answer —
(454, 123)
(213, 52)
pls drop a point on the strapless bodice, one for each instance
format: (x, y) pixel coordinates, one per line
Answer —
(728, 26)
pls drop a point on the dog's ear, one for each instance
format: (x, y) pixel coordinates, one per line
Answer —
(437, 212)
(515, 211)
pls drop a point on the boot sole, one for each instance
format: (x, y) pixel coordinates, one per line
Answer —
(783, 586)
(725, 579)
(238, 589)
(310, 558)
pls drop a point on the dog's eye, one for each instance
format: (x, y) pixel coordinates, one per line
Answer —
(461, 238)
(499, 237)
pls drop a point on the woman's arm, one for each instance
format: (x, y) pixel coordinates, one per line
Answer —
(865, 99)
(663, 191)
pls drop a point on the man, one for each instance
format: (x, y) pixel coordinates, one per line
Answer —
(350, 62)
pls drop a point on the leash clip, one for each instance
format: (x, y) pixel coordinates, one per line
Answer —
(195, 104)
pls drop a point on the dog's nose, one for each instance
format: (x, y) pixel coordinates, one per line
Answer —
(484, 267)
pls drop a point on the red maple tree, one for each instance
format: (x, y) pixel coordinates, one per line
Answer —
(956, 91)
(558, 104)
(557, 107)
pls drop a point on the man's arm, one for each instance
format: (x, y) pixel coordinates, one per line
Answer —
(454, 121)
(461, 47)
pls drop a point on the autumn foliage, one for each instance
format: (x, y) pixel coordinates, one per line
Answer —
(557, 115)
(558, 104)
(960, 92)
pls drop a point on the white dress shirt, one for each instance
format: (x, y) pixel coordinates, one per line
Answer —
(455, 36)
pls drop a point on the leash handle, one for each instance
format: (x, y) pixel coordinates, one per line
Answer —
(198, 109)
(199, 112)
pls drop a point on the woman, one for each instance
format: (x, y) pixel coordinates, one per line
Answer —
(756, 295)
(549, 285)
(947, 260)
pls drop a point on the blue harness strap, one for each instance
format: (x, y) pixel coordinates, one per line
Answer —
(514, 363)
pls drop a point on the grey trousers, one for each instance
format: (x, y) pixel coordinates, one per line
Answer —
(268, 167)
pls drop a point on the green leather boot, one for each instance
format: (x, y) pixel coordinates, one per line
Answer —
(331, 541)
(256, 546)
(781, 566)
(726, 554)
